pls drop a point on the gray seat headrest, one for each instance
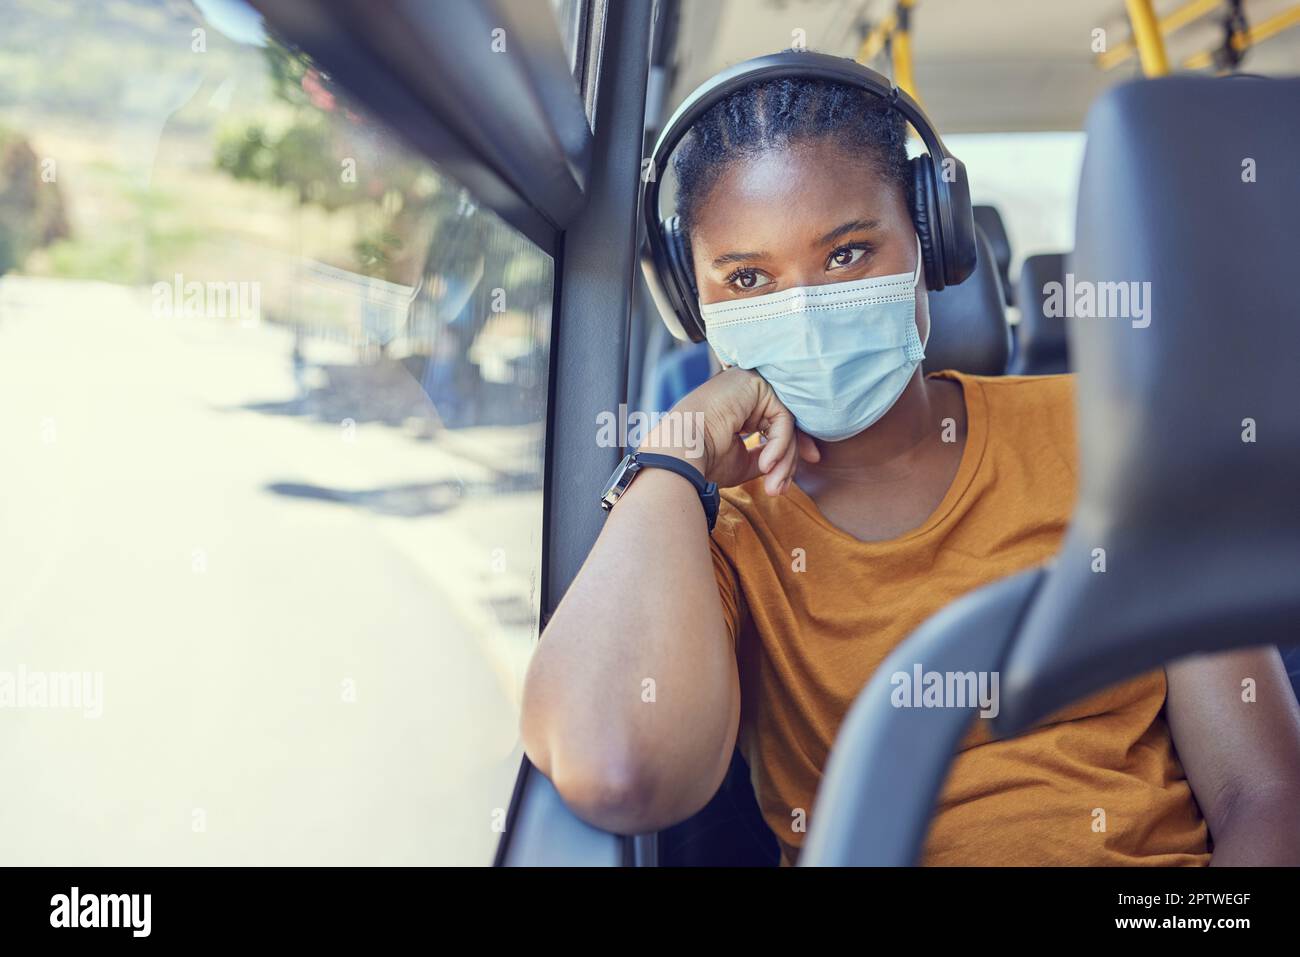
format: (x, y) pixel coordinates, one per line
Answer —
(968, 324)
(989, 219)
(1044, 348)
(1189, 426)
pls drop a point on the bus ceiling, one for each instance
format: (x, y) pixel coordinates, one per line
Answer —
(1009, 65)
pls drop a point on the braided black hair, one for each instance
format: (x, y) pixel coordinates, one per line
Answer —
(772, 114)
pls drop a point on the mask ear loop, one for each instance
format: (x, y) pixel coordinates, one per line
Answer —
(916, 278)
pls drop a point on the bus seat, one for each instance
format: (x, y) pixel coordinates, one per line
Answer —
(1291, 659)
(1189, 432)
(728, 832)
(968, 322)
(1042, 348)
(678, 371)
(989, 219)
(1195, 510)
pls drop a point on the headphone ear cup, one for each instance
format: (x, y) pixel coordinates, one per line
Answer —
(959, 244)
(682, 270)
(924, 214)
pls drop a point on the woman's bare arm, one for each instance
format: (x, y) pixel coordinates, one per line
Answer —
(632, 699)
(1239, 743)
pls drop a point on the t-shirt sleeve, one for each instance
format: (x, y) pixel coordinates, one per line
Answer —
(722, 547)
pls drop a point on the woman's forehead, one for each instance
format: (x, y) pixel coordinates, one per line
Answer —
(792, 191)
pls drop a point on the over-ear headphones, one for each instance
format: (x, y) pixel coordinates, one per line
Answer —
(941, 208)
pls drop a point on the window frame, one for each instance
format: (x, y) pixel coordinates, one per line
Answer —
(510, 126)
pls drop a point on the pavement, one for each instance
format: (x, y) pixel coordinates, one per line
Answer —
(311, 633)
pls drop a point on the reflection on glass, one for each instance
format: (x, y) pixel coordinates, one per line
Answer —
(568, 16)
(275, 395)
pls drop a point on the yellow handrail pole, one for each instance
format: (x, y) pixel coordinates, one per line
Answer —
(1146, 32)
(1256, 34)
(1176, 20)
(1273, 26)
(875, 41)
(900, 48)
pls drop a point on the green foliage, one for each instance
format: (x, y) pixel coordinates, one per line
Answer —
(330, 158)
(286, 69)
(106, 260)
(31, 209)
(304, 158)
(246, 154)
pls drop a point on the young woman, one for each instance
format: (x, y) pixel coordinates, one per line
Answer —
(879, 496)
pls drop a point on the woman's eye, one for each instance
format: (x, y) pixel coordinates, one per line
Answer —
(747, 279)
(846, 256)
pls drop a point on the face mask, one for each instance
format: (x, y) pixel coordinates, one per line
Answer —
(838, 355)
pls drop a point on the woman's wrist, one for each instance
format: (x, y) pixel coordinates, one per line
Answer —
(681, 435)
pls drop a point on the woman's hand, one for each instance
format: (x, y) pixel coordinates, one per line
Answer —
(733, 402)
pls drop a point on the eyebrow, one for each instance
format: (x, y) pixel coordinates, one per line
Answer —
(853, 226)
(856, 225)
(726, 258)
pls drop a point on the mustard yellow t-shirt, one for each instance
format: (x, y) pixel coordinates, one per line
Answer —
(1097, 783)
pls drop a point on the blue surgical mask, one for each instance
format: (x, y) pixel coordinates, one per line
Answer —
(838, 355)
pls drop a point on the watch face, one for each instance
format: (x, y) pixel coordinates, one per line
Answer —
(617, 483)
(609, 486)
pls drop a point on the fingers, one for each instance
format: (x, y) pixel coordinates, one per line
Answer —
(780, 456)
(808, 450)
(749, 470)
(775, 448)
(779, 432)
(782, 474)
(744, 466)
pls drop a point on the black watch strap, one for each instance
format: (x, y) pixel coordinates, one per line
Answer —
(631, 464)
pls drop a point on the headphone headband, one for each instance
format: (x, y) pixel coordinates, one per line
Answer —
(941, 205)
(804, 65)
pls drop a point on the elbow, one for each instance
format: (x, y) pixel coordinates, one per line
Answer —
(1257, 826)
(623, 795)
(605, 769)
(596, 771)
(606, 786)
(614, 795)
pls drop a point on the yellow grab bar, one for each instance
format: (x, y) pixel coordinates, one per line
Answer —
(1256, 34)
(900, 48)
(1146, 33)
(1176, 20)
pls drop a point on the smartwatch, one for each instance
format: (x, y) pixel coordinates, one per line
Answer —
(631, 464)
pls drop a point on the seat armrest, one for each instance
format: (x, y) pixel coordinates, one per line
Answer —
(543, 832)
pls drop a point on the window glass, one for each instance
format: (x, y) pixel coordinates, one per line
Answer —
(275, 399)
(1032, 179)
(569, 17)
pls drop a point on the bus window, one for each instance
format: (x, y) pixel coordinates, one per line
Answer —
(570, 18)
(1032, 179)
(275, 391)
